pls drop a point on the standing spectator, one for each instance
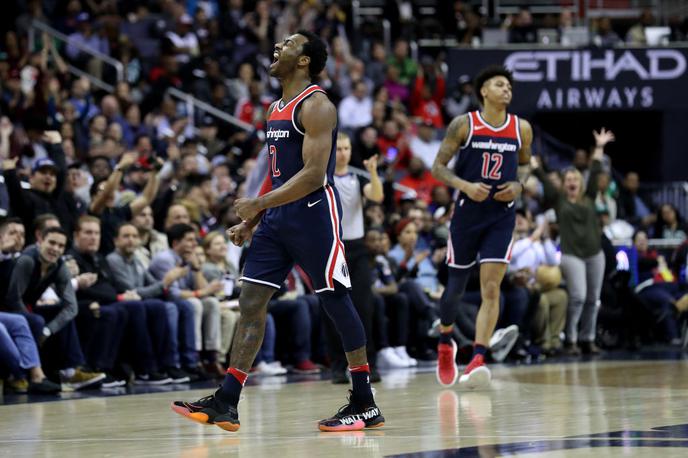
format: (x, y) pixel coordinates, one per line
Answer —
(582, 261)
(356, 110)
(34, 271)
(428, 93)
(182, 42)
(47, 181)
(376, 67)
(406, 67)
(103, 201)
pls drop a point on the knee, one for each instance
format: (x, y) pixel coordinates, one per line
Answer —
(490, 292)
(212, 305)
(250, 307)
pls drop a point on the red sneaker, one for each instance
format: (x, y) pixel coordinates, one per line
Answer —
(476, 375)
(447, 371)
(306, 367)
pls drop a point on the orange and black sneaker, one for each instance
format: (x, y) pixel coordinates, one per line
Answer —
(447, 372)
(353, 417)
(209, 411)
(476, 375)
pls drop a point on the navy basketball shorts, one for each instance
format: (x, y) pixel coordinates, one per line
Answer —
(306, 232)
(480, 233)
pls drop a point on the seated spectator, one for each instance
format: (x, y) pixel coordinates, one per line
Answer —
(669, 224)
(633, 207)
(193, 288)
(52, 327)
(152, 241)
(400, 60)
(217, 267)
(109, 317)
(657, 286)
(420, 180)
(290, 308)
(12, 238)
(534, 265)
(605, 36)
(425, 145)
(19, 354)
(129, 274)
(522, 28)
(417, 277)
(391, 308)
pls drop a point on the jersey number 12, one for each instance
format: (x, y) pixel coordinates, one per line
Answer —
(492, 166)
(273, 161)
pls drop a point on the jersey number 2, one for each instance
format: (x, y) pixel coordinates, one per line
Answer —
(273, 161)
(492, 166)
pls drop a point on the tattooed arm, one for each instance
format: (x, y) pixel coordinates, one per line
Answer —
(457, 133)
(513, 189)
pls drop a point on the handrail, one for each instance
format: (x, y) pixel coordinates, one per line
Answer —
(119, 67)
(193, 103)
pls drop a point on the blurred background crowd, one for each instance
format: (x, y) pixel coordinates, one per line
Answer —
(128, 129)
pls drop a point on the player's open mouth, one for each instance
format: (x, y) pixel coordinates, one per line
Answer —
(275, 57)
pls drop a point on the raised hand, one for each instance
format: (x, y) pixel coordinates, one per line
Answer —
(371, 164)
(603, 137)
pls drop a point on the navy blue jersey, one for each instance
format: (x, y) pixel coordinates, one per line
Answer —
(490, 154)
(285, 141)
(307, 231)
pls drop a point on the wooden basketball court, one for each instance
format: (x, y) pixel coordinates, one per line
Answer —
(580, 409)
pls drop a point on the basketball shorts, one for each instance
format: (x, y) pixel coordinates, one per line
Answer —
(480, 233)
(306, 232)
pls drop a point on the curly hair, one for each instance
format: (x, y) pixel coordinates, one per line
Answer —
(489, 73)
(316, 49)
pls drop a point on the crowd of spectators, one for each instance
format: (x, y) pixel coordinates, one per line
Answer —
(115, 267)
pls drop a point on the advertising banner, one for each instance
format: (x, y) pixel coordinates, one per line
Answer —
(585, 79)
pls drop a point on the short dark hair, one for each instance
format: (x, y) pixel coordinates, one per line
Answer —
(178, 231)
(40, 220)
(489, 73)
(121, 225)
(53, 230)
(316, 49)
(10, 220)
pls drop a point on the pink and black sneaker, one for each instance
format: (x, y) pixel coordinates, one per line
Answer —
(353, 417)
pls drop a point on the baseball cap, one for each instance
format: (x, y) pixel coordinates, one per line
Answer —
(42, 163)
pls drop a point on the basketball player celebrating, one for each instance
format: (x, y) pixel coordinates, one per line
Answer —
(493, 150)
(299, 223)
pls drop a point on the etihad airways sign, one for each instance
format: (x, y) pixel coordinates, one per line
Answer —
(590, 79)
